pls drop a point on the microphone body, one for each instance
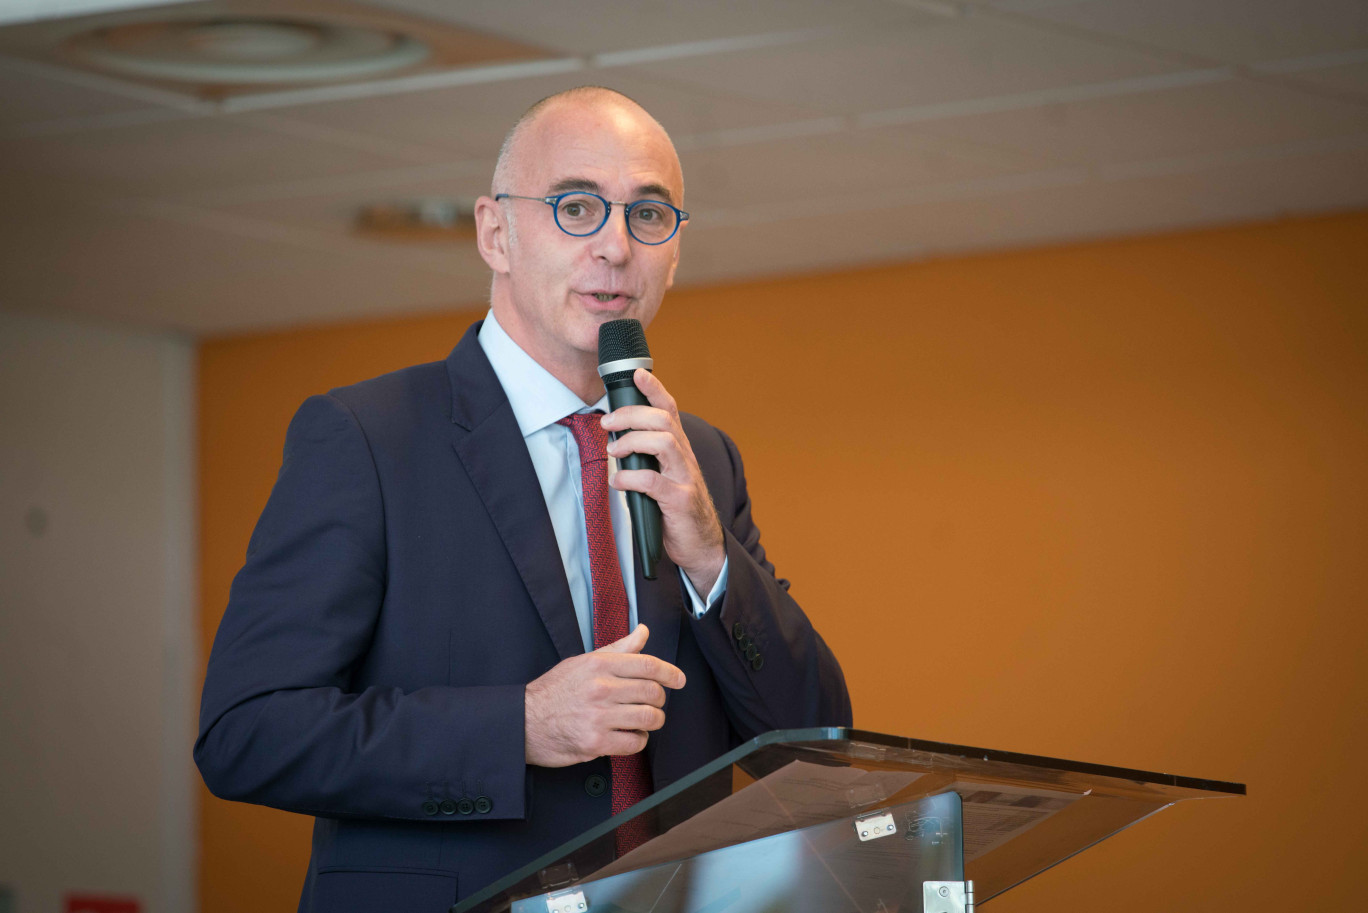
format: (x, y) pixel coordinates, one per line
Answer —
(622, 349)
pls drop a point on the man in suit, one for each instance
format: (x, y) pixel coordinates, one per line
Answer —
(416, 650)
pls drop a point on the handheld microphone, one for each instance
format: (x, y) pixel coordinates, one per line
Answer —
(621, 350)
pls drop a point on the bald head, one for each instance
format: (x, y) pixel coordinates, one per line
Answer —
(509, 170)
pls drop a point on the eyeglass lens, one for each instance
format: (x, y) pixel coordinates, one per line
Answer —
(585, 213)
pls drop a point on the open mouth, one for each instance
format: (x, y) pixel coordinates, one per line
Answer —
(615, 299)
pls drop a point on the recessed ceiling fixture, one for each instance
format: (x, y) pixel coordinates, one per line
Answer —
(244, 51)
(225, 49)
(431, 219)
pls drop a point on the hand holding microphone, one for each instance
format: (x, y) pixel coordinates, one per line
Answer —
(667, 498)
(622, 350)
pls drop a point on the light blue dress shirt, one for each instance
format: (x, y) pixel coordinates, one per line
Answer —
(539, 400)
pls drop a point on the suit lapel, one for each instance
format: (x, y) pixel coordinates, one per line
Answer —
(489, 444)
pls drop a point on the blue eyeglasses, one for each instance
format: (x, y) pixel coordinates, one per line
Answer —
(581, 214)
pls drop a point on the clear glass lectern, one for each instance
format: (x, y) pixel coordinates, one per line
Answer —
(843, 821)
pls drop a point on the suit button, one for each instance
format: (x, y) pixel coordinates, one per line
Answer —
(738, 632)
(747, 642)
(465, 806)
(596, 785)
(483, 805)
(757, 662)
(448, 807)
(430, 807)
(752, 652)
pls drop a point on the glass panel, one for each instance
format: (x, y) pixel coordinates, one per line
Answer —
(1021, 814)
(856, 864)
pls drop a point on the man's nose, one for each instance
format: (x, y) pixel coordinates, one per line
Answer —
(613, 242)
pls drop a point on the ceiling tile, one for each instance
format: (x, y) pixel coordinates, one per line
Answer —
(471, 120)
(129, 266)
(334, 213)
(184, 155)
(947, 60)
(229, 222)
(1053, 214)
(1349, 79)
(596, 26)
(848, 162)
(1218, 196)
(29, 98)
(1232, 31)
(1197, 119)
(331, 200)
(1328, 181)
(797, 246)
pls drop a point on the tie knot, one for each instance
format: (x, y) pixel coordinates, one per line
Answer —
(592, 440)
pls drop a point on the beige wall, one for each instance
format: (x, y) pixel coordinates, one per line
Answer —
(98, 674)
(1104, 502)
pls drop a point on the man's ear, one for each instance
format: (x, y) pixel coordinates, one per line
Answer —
(491, 233)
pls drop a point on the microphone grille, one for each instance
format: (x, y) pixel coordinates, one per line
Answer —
(620, 339)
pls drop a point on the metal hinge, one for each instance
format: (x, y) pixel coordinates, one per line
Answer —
(947, 897)
(566, 902)
(875, 826)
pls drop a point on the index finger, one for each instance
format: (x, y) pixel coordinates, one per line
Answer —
(655, 391)
(639, 418)
(644, 665)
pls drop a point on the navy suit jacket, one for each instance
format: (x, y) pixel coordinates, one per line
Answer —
(401, 588)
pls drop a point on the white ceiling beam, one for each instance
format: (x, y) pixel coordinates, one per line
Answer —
(16, 11)
(729, 45)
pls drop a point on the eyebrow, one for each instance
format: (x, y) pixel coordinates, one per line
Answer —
(565, 184)
(643, 190)
(654, 190)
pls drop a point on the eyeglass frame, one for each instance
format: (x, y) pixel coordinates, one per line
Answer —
(554, 202)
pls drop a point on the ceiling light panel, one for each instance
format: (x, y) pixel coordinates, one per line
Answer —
(245, 51)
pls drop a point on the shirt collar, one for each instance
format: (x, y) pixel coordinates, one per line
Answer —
(537, 397)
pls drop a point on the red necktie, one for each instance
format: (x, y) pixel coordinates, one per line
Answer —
(631, 777)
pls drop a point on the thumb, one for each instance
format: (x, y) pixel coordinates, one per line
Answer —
(634, 642)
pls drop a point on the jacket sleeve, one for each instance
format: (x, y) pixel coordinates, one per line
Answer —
(280, 723)
(773, 668)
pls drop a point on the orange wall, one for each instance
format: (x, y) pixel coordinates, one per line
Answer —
(1104, 502)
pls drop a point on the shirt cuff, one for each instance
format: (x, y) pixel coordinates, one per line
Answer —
(696, 604)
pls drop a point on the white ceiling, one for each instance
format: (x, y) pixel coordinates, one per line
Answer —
(815, 134)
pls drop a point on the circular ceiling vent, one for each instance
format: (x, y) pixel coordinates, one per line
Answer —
(246, 51)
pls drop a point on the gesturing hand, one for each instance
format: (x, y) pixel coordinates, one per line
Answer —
(692, 532)
(600, 703)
